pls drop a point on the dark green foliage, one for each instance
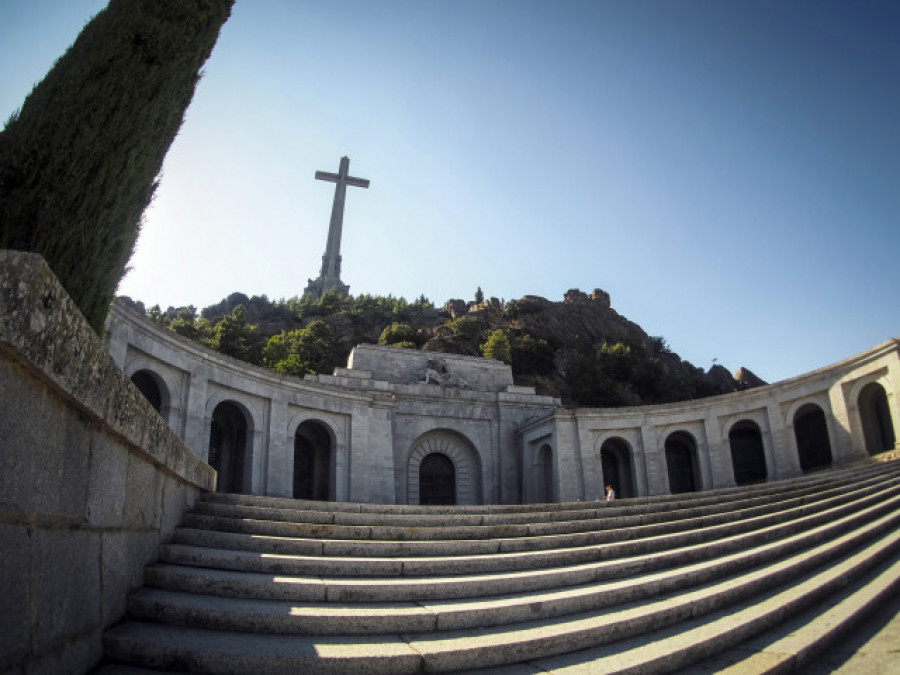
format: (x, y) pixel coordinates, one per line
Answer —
(583, 352)
(497, 347)
(398, 334)
(300, 352)
(479, 296)
(235, 337)
(465, 328)
(530, 356)
(79, 162)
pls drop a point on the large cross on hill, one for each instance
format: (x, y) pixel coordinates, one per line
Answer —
(330, 275)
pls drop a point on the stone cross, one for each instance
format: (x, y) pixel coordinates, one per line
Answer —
(330, 275)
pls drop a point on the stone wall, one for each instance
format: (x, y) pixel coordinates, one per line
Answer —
(403, 366)
(91, 478)
(577, 437)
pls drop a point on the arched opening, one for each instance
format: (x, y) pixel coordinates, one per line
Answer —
(228, 455)
(615, 462)
(313, 462)
(748, 458)
(681, 464)
(875, 414)
(464, 460)
(437, 480)
(811, 434)
(149, 385)
(543, 470)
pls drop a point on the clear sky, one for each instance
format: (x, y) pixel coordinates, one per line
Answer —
(729, 171)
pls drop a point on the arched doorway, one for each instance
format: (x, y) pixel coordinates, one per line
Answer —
(437, 480)
(681, 464)
(615, 462)
(151, 387)
(463, 457)
(313, 462)
(228, 448)
(811, 434)
(543, 475)
(748, 458)
(875, 415)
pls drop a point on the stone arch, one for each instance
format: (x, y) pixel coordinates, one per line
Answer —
(230, 450)
(875, 417)
(460, 451)
(682, 464)
(811, 435)
(748, 455)
(337, 432)
(617, 465)
(314, 461)
(543, 475)
(154, 389)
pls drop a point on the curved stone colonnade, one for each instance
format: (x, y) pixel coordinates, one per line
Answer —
(409, 427)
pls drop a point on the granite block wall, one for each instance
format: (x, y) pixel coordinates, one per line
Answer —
(91, 478)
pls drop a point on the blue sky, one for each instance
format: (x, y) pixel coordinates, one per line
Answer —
(728, 171)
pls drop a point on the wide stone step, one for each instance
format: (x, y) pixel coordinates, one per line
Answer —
(316, 562)
(679, 568)
(180, 647)
(830, 478)
(387, 541)
(794, 643)
(552, 521)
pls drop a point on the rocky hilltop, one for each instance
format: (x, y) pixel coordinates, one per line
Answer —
(579, 349)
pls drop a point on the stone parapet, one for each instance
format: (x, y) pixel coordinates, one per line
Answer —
(91, 478)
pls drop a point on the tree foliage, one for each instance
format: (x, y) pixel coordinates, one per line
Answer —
(497, 347)
(80, 160)
(303, 351)
(234, 336)
(398, 334)
(545, 346)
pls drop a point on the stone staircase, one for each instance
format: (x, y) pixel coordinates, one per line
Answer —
(264, 585)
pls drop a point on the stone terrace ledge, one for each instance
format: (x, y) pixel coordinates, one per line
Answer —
(91, 478)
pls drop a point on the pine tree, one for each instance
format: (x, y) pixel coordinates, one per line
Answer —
(497, 347)
(79, 162)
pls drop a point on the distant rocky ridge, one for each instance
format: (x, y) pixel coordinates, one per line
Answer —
(580, 349)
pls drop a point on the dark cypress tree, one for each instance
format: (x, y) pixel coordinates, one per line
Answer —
(79, 162)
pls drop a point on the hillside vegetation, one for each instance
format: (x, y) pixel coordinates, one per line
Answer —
(580, 349)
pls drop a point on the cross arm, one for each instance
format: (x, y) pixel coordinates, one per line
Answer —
(348, 180)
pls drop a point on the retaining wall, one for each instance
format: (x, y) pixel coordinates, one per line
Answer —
(91, 478)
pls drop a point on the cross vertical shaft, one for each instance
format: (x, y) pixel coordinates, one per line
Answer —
(330, 274)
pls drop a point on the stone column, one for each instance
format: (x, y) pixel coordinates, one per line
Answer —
(568, 458)
(196, 428)
(656, 476)
(280, 468)
(371, 453)
(847, 442)
(785, 455)
(718, 450)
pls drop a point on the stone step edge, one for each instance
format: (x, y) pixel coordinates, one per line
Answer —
(263, 509)
(823, 630)
(638, 577)
(836, 475)
(166, 646)
(601, 512)
(273, 543)
(709, 641)
(417, 566)
(675, 520)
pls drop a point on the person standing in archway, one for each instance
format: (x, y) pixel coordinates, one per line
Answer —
(610, 493)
